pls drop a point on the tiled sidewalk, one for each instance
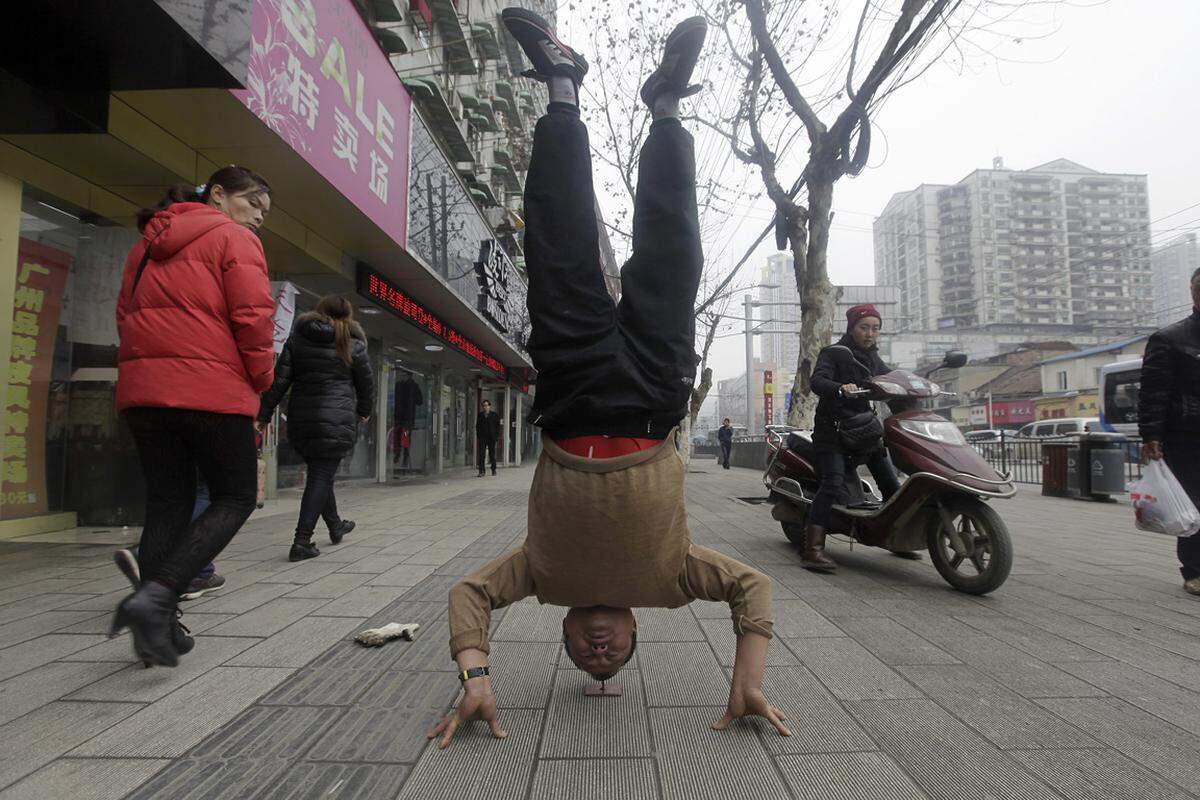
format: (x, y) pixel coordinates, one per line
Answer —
(1080, 678)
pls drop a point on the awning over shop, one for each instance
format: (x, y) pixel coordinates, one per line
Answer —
(516, 60)
(482, 193)
(391, 41)
(387, 11)
(458, 52)
(504, 89)
(489, 115)
(429, 96)
(511, 182)
(485, 39)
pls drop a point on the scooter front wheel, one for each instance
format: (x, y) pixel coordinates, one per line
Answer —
(969, 545)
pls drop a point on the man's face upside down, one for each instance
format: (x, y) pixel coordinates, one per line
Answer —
(599, 639)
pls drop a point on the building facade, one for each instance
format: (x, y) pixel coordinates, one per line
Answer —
(1173, 264)
(395, 138)
(1059, 244)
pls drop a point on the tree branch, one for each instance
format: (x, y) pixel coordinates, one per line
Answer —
(779, 70)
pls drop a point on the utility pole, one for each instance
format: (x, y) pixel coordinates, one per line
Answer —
(748, 307)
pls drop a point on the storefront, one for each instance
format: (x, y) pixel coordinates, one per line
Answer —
(75, 167)
(1072, 404)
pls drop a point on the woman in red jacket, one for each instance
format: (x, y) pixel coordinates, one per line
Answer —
(195, 321)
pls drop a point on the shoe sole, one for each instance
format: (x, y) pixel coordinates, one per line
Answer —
(196, 595)
(688, 27)
(526, 17)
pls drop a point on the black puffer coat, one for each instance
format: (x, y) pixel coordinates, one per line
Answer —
(1169, 398)
(835, 368)
(328, 397)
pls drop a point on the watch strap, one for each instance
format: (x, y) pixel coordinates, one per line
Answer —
(474, 672)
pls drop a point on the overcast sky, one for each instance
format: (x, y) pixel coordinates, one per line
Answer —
(1112, 87)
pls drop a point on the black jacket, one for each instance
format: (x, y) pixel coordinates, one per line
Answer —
(725, 435)
(835, 368)
(487, 427)
(328, 396)
(1169, 398)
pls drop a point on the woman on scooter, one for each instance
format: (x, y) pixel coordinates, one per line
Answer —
(840, 368)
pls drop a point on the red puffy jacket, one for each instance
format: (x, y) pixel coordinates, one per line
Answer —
(197, 332)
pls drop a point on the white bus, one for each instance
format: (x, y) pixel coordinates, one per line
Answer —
(1119, 386)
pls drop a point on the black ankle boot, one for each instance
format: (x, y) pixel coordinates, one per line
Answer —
(149, 613)
(180, 635)
(303, 547)
(339, 531)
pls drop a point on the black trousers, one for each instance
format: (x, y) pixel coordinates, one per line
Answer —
(726, 449)
(607, 368)
(1184, 461)
(833, 466)
(172, 444)
(486, 447)
(318, 499)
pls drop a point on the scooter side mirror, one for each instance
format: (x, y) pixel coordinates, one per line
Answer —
(954, 359)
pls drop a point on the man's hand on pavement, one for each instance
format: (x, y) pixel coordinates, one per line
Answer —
(1152, 451)
(478, 703)
(750, 702)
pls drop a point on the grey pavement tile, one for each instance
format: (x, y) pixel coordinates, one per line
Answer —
(942, 755)
(835, 604)
(1181, 615)
(696, 761)
(188, 779)
(265, 732)
(531, 621)
(848, 776)
(596, 727)
(721, 635)
(340, 781)
(321, 687)
(462, 565)
(522, 673)
(701, 683)
(624, 778)
(1025, 674)
(817, 721)
(477, 766)
(31, 627)
(703, 609)
(403, 574)
(361, 602)
(241, 599)
(1011, 721)
(1153, 743)
(33, 586)
(43, 735)
(849, 670)
(1097, 774)
(1046, 646)
(430, 651)
(1168, 639)
(24, 693)
(892, 643)
(34, 605)
(377, 735)
(297, 644)
(331, 586)
(796, 619)
(43, 650)
(433, 589)
(85, 779)
(1163, 699)
(269, 618)
(182, 719)
(348, 553)
(410, 690)
(305, 572)
(136, 684)
(667, 625)
(1170, 666)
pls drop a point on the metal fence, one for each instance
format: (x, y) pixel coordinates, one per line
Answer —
(1025, 459)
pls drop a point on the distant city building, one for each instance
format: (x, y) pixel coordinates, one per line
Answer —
(1173, 265)
(1059, 244)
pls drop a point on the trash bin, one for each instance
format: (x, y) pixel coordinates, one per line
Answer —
(1076, 474)
(1054, 469)
(1102, 465)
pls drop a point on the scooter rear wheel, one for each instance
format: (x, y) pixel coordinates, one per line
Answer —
(988, 560)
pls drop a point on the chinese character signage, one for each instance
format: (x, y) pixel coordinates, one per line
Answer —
(41, 277)
(318, 79)
(501, 290)
(768, 397)
(379, 289)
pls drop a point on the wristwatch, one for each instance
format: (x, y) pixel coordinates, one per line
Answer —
(474, 672)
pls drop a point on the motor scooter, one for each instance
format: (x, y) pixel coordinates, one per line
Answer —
(941, 505)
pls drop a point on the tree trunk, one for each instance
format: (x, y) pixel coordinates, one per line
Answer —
(816, 299)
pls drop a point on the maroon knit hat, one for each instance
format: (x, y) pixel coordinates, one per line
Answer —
(855, 313)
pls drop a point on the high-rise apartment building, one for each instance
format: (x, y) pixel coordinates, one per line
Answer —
(1059, 244)
(1173, 264)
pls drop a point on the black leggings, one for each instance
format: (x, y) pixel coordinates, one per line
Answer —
(318, 499)
(172, 444)
(604, 368)
(832, 465)
(1184, 461)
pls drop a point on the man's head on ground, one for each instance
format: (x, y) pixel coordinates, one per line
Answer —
(1196, 288)
(600, 639)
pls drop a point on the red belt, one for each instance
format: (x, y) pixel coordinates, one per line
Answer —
(605, 446)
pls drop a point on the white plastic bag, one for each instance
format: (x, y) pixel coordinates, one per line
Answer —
(1160, 505)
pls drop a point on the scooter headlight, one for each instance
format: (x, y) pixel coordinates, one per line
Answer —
(945, 432)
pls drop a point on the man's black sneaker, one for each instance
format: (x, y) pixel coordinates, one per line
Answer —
(303, 550)
(202, 586)
(339, 531)
(545, 52)
(680, 54)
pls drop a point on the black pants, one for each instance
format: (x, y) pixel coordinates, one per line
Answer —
(605, 368)
(487, 447)
(1184, 461)
(726, 449)
(318, 499)
(832, 465)
(172, 444)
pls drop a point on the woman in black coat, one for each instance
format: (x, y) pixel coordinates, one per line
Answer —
(840, 368)
(325, 364)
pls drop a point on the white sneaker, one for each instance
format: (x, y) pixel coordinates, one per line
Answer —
(1192, 586)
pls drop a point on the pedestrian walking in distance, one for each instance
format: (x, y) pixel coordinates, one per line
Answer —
(725, 437)
(1169, 416)
(487, 434)
(325, 365)
(607, 528)
(194, 319)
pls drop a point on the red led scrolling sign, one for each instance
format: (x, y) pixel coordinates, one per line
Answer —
(378, 288)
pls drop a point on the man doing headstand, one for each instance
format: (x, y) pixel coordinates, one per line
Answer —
(607, 525)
